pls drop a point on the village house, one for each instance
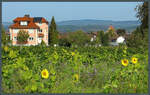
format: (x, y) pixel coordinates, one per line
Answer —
(37, 28)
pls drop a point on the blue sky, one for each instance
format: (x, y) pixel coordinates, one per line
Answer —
(117, 11)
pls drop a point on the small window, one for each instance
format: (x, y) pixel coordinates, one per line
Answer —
(31, 38)
(23, 23)
(15, 38)
(31, 30)
(40, 30)
(16, 30)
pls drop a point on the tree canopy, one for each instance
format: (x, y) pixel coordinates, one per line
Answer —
(121, 32)
(22, 37)
(142, 14)
(103, 38)
(53, 33)
(5, 37)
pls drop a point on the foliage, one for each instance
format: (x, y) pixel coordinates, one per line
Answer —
(74, 70)
(43, 43)
(142, 14)
(53, 33)
(78, 38)
(121, 32)
(136, 39)
(64, 42)
(139, 37)
(103, 38)
(22, 37)
(112, 34)
(5, 37)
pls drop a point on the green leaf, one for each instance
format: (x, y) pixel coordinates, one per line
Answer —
(34, 87)
(12, 54)
(26, 75)
(53, 78)
(52, 71)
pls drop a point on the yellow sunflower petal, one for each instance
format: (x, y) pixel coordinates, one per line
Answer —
(125, 62)
(45, 73)
(134, 60)
(76, 78)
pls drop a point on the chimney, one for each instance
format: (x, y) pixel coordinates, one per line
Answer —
(26, 15)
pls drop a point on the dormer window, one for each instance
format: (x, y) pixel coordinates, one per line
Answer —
(23, 23)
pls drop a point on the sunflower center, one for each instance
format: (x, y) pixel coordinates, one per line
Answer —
(125, 61)
(44, 73)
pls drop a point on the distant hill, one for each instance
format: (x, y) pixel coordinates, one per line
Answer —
(95, 25)
(90, 25)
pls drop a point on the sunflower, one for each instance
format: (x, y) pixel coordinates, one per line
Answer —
(76, 77)
(134, 60)
(72, 53)
(45, 73)
(124, 62)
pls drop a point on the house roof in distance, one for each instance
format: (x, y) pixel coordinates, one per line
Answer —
(111, 27)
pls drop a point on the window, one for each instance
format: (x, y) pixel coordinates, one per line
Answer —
(31, 30)
(15, 38)
(15, 30)
(40, 30)
(31, 38)
(23, 23)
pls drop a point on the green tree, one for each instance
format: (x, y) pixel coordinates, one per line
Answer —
(64, 42)
(53, 33)
(142, 14)
(111, 34)
(5, 37)
(139, 37)
(100, 36)
(103, 38)
(78, 38)
(22, 37)
(135, 39)
(43, 43)
(121, 32)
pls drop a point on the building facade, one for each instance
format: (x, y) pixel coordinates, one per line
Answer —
(37, 28)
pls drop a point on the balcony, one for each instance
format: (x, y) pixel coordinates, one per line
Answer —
(40, 35)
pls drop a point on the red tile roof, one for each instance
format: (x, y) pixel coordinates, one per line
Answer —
(44, 20)
(29, 26)
(28, 19)
(23, 19)
(31, 23)
(111, 27)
